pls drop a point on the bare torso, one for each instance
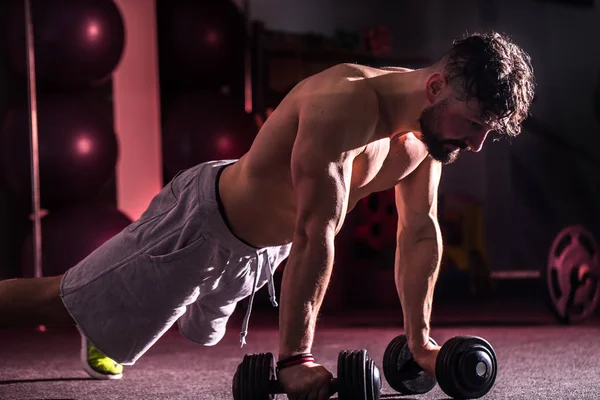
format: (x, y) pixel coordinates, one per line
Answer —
(257, 191)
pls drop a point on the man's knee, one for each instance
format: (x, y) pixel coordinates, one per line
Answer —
(213, 337)
(208, 334)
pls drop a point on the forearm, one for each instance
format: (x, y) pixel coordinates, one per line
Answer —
(417, 266)
(305, 279)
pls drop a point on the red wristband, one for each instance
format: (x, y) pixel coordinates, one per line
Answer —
(295, 360)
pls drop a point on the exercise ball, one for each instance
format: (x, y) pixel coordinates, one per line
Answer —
(77, 150)
(71, 234)
(201, 43)
(205, 126)
(77, 42)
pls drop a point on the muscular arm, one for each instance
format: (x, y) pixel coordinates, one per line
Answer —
(419, 248)
(321, 167)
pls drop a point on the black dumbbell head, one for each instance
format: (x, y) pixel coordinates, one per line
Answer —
(252, 378)
(466, 367)
(401, 371)
(358, 376)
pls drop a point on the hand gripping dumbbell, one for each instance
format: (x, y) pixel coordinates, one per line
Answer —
(465, 368)
(357, 377)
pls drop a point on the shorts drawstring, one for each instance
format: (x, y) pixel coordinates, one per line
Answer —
(271, 287)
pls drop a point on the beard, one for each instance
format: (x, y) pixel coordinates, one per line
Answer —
(430, 131)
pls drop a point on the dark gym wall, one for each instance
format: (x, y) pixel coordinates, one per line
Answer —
(422, 29)
(201, 58)
(554, 171)
(56, 127)
(412, 28)
(8, 223)
(560, 38)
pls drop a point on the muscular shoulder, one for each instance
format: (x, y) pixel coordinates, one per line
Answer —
(342, 80)
(338, 94)
(414, 148)
(338, 88)
(336, 118)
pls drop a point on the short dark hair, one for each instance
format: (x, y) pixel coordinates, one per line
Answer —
(497, 73)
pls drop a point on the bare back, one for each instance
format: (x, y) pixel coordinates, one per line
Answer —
(258, 192)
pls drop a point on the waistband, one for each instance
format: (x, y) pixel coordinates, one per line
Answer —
(208, 195)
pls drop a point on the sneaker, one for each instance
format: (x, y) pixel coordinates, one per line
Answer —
(96, 364)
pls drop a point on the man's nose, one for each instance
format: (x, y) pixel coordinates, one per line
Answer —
(475, 143)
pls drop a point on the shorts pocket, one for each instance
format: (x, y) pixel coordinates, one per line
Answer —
(160, 205)
(179, 253)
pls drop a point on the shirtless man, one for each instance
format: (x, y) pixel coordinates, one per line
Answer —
(217, 231)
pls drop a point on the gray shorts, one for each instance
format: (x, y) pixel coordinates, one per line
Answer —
(178, 262)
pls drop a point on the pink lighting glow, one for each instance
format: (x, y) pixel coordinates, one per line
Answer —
(212, 38)
(93, 30)
(224, 143)
(84, 145)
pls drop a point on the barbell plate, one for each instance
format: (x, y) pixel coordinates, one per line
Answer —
(572, 274)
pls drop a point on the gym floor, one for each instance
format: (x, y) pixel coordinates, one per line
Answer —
(538, 358)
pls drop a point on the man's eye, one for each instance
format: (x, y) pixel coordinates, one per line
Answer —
(475, 125)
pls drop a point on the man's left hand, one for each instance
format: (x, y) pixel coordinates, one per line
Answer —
(425, 356)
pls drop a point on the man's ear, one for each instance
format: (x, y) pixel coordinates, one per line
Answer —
(435, 86)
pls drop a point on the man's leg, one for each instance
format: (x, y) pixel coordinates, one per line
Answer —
(32, 302)
(36, 301)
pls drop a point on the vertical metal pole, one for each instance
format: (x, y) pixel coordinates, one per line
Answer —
(248, 106)
(33, 130)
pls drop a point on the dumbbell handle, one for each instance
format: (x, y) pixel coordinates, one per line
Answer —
(276, 388)
(413, 367)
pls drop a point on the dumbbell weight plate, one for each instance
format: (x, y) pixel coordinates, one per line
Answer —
(268, 365)
(358, 377)
(264, 371)
(246, 379)
(573, 274)
(346, 386)
(373, 379)
(252, 377)
(236, 386)
(466, 367)
(443, 370)
(402, 373)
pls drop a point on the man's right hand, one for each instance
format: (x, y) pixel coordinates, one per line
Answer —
(308, 381)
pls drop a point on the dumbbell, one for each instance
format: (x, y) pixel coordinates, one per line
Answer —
(465, 368)
(357, 377)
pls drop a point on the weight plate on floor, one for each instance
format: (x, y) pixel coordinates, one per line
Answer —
(572, 275)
